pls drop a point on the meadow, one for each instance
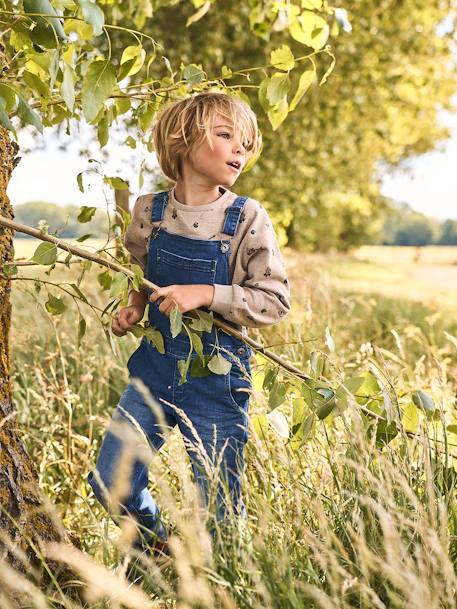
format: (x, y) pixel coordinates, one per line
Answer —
(343, 511)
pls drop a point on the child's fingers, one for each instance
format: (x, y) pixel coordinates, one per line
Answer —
(158, 295)
(116, 328)
(167, 305)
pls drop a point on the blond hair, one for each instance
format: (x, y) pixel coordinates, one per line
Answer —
(183, 125)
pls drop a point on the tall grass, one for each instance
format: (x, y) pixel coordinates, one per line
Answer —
(338, 522)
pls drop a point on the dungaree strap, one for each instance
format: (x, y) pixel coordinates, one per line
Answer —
(232, 216)
(159, 201)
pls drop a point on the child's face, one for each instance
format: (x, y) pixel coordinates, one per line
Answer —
(213, 165)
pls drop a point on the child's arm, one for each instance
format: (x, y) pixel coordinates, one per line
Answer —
(259, 294)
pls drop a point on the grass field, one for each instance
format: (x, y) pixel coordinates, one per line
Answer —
(345, 509)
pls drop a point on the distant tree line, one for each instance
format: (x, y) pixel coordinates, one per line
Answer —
(405, 226)
(61, 218)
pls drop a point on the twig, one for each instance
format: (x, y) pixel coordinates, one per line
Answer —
(82, 253)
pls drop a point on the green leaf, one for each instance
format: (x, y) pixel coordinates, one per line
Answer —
(137, 281)
(55, 306)
(135, 53)
(102, 131)
(385, 433)
(125, 69)
(45, 253)
(193, 74)
(277, 394)
(199, 14)
(9, 97)
(29, 116)
(43, 35)
(67, 88)
(94, 15)
(86, 213)
(45, 8)
(310, 29)
(424, 401)
(204, 323)
(328, 71)
(130, 142)
(312, 4)
(278, 114)
(81, 329)
(155, 337)
(105, 280)
(36, 84)
(84, 237)
(4, 118)
(175, 322)
(183, 367)
(199, 368)
(197, 343)
(9, 270)
(78, 292)
(278, 88)
(282, 58)
(118, 285)
(324, 401)
(116, 183)
(219, 364)
(123, 105)
(304, 83)
(98, 85)
(303, 432)
(269, 378)
(262, 94)
(79, 179)
(226, 73)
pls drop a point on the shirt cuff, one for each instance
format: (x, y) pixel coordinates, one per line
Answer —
(222, 299)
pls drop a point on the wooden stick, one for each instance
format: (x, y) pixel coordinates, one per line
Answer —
(115, 266)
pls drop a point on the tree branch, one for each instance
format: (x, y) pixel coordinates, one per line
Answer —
(82, 253)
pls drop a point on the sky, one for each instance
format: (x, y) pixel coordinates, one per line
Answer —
(48, 169)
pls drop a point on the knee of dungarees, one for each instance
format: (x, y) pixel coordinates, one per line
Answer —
(99, 486)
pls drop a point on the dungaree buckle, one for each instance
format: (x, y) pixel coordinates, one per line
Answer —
(225, 246)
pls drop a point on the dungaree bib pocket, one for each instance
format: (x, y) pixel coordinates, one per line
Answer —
(198, 270)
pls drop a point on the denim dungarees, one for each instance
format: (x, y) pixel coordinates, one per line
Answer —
(216, 405)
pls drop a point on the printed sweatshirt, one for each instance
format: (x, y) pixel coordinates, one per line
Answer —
(259, 294)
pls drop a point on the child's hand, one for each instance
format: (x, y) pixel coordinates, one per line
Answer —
(126, 318)
(185, 297)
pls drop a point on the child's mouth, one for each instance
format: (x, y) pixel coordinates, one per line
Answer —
(235, 165)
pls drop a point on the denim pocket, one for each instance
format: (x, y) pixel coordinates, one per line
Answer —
(172, 267)
(239, 384)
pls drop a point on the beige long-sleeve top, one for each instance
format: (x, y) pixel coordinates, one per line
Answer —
(259, 294)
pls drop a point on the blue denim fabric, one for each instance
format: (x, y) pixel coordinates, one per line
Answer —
(216, 406)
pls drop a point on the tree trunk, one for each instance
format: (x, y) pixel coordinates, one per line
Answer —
(23, 517)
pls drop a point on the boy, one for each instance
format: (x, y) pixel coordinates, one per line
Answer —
(208, 248)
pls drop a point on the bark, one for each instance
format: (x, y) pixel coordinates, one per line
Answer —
(24, 519)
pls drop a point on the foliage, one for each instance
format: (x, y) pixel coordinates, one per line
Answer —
(405, 226)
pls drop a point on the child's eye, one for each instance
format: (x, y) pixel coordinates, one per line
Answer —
(225, 134)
